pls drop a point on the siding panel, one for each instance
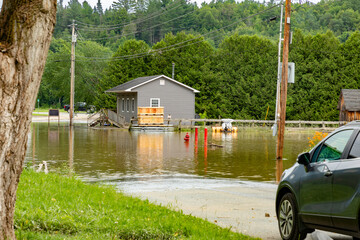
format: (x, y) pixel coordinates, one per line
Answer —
(176, 100)
(128, 114)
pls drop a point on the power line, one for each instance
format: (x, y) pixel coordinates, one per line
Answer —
(94, 29)
(181, 16)
(123, 35)
(170, 47)
(154, 14)
(189, 40)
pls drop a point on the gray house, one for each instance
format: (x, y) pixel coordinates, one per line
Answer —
(177, 98)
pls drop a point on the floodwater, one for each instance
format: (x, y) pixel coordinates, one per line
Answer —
(161, 158)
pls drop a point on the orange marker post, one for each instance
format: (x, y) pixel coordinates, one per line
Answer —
(196, 141)
(205, 150)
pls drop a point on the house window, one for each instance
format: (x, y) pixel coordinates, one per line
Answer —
(162, 82)
(154, 102)
(133, 105)
(123, 105)
(127, 105)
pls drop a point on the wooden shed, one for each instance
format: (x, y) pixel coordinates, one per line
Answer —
(349, 105)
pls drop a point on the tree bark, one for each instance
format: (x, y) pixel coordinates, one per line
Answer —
(26, 28)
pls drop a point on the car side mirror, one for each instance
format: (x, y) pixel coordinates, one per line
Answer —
(304, 159)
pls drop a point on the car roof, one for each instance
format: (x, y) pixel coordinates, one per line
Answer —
(353, 124)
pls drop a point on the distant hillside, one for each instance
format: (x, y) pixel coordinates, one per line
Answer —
(151, 20)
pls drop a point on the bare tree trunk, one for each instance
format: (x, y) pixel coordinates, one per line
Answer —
(26, 28)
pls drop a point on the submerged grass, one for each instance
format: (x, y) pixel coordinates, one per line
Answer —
(50, 206)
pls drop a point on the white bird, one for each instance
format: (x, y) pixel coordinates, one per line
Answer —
(46, 171)
(40, 167)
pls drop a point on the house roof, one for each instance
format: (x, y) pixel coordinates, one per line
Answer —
(351, 99)
(137, 82)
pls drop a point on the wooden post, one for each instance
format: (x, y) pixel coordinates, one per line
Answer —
(279, 170)
(73, 41)
(284, 82)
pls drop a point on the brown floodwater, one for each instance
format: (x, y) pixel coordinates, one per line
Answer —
(118, 155)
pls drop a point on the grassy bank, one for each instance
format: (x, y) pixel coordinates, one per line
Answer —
(56, 207)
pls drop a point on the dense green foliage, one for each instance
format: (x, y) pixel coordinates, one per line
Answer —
(151, 20)
(219, 48)
(56, 207)
(55, 85)
(238, 79)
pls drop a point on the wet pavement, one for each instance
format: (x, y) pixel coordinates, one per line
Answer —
(245, 207)
(64, 117)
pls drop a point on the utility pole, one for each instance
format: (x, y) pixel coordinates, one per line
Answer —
(284, 82)
(276, 123)
(173, 71)
(72, 81)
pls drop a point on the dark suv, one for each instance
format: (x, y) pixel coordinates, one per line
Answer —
(322, 190)
(81, 106)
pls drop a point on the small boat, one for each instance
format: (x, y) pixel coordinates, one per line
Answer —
(226, 126)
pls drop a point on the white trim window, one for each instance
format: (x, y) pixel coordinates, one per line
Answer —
(154, 102)
(123, 105)
(133, 104)
(128, 105)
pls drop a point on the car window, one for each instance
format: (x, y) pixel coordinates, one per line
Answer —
(355, 150)
(314, 156)
(334, 146)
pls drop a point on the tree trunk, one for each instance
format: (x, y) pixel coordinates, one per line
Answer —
(26, 28)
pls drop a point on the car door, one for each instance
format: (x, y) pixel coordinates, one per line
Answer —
(316, 193)
(346, 188)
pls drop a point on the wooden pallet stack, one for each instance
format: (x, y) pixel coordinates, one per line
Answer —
(151, 116)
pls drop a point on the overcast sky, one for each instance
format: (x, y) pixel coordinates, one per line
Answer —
(107, 3)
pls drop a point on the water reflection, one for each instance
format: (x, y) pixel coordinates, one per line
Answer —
(71, 150)
(150, 152)
(113, 154)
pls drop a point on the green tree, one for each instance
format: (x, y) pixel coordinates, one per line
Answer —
(130, 61)
(315, 94)
(55, 87)
(247, 82)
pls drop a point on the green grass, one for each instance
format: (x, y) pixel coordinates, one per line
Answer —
(40, 114)
(57, 207)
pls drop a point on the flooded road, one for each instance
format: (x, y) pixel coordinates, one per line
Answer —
(113, 154)
(230, 184)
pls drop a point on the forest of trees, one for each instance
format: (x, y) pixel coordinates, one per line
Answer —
(226, 50)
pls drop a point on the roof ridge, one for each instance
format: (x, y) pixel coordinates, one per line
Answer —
(134, 83)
